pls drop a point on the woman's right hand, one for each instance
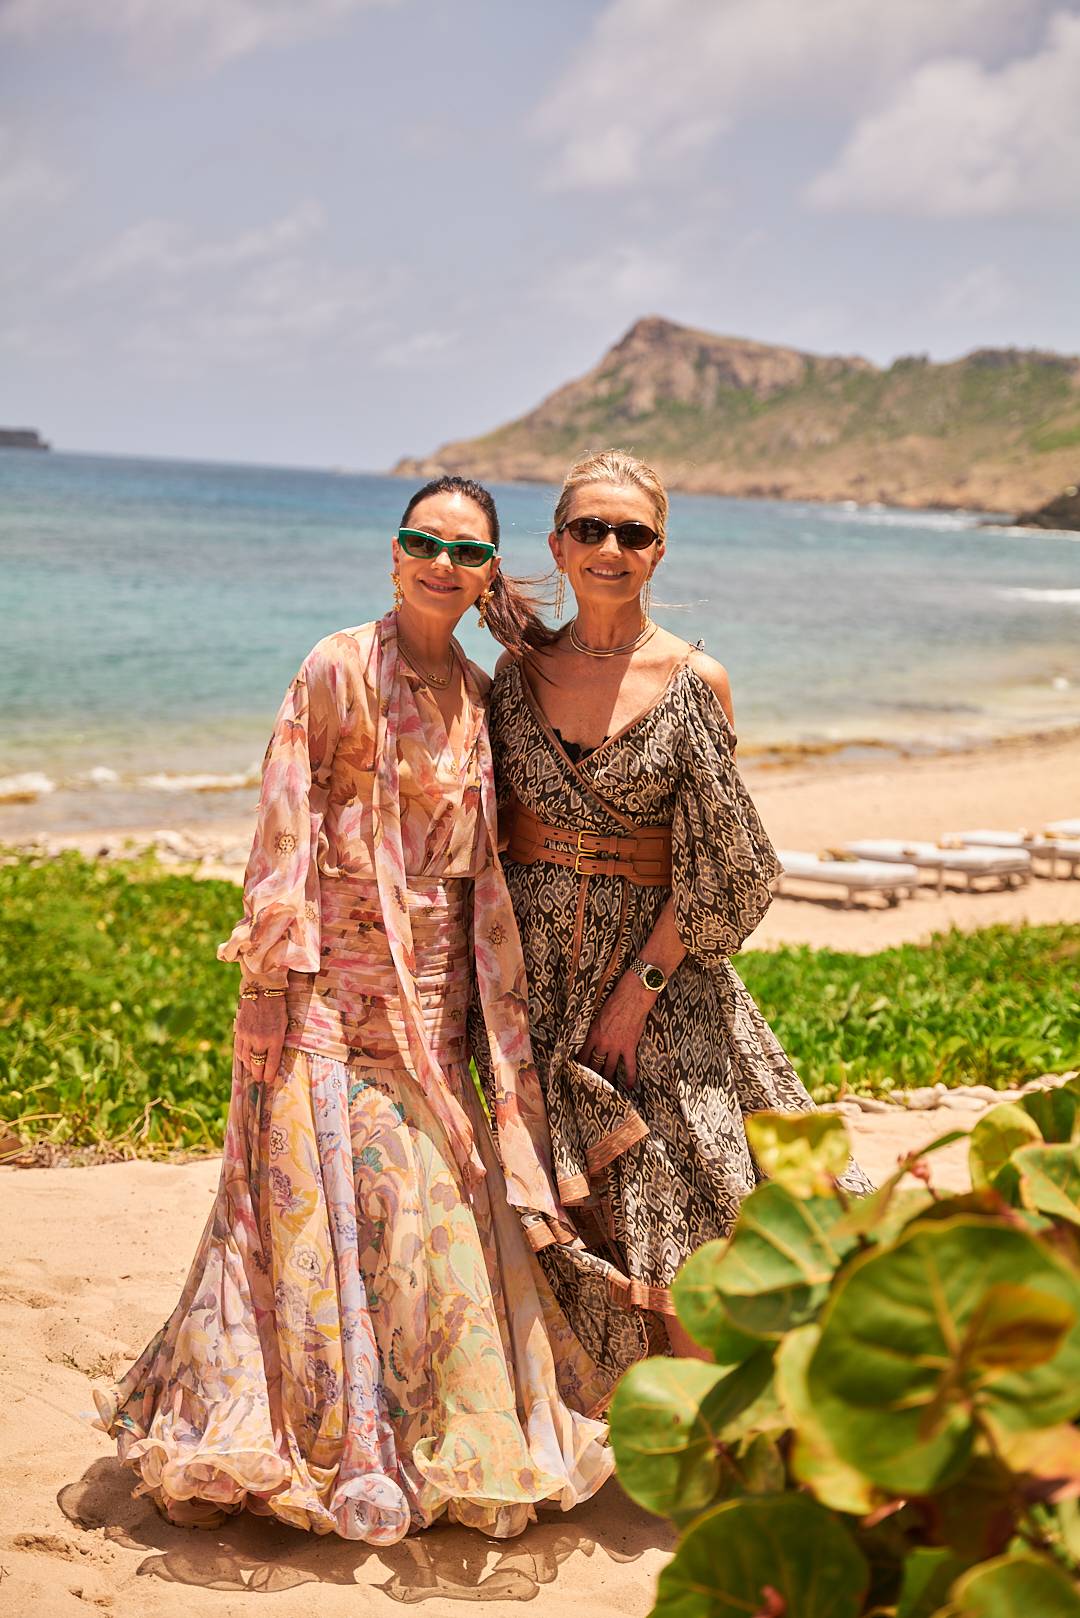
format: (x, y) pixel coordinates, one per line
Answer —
(260, 1026)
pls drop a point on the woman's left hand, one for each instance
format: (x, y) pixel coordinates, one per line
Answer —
(617, 1030)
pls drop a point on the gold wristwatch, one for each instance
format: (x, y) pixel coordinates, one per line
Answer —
(652, 977)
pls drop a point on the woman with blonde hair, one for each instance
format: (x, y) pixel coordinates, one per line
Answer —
(637, 865)
(365, 1341)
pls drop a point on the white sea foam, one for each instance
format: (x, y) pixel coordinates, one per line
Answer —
(876, 516)
(197, 783)
(1057, 598)
(25, 788)
(101, 776)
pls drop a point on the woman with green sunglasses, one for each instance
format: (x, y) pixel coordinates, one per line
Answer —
(365, 1341)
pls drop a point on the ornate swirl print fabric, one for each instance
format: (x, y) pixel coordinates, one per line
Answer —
(655, 1172)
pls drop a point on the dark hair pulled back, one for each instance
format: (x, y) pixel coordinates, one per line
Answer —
(512, 615)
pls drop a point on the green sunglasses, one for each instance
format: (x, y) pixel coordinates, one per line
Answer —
(462, 552)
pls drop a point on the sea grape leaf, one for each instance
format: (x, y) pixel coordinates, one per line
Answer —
(805, 1151)
(1050, 1180)
(918, 1338)
(975, 1516)
(1015, 1327)
(1055, 1112)
(1049, 1454)
(996, 1136)
(1067, 1517)
(779, 1552)
(760, 1466)
(1011, 1585)
(814, 1461)
(773, 1272)
(701, 1311)
(928, 1574)
(667, 1422)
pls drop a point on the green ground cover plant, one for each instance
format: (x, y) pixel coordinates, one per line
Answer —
(115, 1016)
(888, 1428)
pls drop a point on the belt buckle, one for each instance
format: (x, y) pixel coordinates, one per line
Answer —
(584, 853)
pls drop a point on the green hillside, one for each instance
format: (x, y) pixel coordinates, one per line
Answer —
(997, 429)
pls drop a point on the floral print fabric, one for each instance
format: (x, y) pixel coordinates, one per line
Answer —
(359, 1346)
(360, 781)
(365, 1340)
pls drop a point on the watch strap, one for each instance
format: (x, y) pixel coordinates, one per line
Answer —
(652, 976)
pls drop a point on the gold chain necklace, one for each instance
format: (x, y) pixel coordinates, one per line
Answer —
(439, 681)
(647, 629)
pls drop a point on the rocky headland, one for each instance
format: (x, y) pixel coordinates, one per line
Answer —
(21, 438)
(995, 431)
(1063, 511)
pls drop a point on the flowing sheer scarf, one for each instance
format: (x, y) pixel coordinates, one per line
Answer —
(520, 1119)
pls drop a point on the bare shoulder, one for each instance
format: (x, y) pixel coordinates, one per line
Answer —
(715, 676)
(713, 673)
(504, 662)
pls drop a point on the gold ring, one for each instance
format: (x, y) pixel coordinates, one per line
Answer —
(258, 1058)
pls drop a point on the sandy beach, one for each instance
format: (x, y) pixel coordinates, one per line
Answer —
(1014, 784)
(92, 1260)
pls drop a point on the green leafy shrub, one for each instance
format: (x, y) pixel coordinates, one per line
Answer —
(889, 1424)
(994, 1007)
(115, 1016)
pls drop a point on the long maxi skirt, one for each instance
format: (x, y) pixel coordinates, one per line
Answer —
(362, 1345)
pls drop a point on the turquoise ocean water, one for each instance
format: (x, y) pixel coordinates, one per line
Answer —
(155, 611)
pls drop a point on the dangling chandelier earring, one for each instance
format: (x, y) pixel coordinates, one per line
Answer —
(482, 605)
(646, 601)
(399, 594)
(560, 594)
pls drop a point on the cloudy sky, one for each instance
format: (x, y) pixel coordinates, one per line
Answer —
(329, 232)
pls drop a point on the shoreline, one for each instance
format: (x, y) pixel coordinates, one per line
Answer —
(33, 802)
(811, 805)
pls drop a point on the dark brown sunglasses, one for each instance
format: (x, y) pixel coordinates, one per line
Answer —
(630, 536)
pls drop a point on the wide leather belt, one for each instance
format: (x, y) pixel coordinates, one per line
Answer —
(642, 856)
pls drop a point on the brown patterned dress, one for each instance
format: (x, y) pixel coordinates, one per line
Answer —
(649, 1174)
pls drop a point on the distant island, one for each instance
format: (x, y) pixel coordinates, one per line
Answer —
(21, 438)
(998, 430)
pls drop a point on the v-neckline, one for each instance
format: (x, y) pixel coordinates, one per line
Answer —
(609, 741)
(446, 754)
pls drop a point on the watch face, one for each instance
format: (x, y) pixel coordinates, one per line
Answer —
(653, 979)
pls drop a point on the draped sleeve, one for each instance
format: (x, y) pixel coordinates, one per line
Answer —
(280, 930)
(723, 863)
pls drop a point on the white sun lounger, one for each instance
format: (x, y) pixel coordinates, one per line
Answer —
(1007, 865)
(857, 876)
(1054, 850)
(1063, 828)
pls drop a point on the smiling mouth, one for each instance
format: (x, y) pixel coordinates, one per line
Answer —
(439, 589)
(608, 572)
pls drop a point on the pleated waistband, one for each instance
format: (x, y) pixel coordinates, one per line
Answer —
(351, 1008)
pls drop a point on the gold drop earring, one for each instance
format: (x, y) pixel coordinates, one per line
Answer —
(560, 594)
(399, 594)
(482, 605)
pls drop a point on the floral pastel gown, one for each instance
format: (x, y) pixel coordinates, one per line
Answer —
(365, 1340)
